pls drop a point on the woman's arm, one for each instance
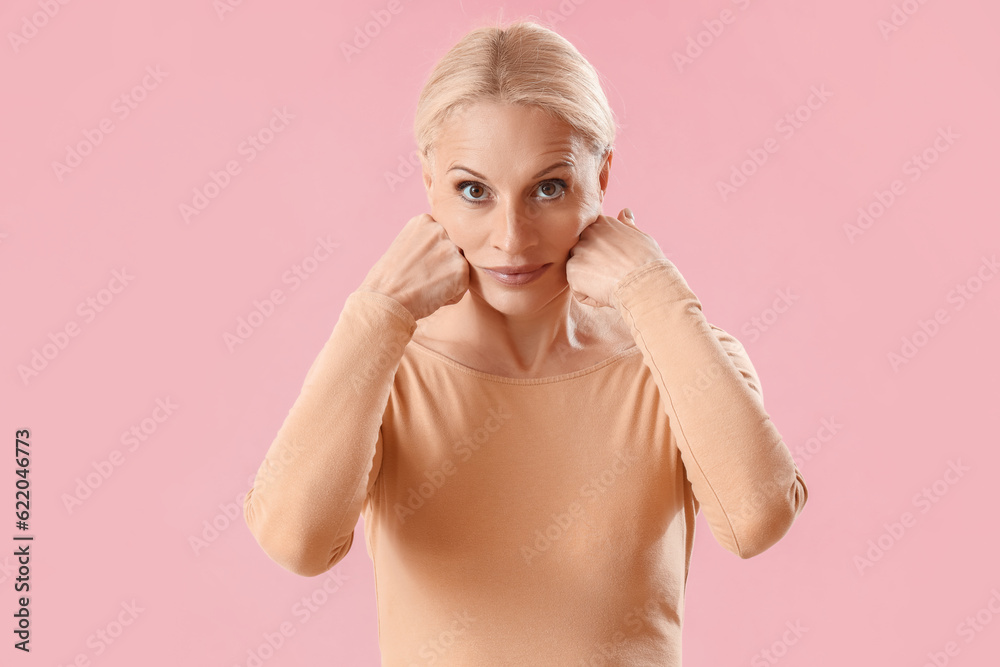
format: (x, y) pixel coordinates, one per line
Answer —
(740, 469)
(310, 489)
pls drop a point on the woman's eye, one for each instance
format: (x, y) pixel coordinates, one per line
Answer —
(475, 189)
(553, 190)
(474, 192)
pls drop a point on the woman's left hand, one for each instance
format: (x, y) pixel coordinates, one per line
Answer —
(608, 250)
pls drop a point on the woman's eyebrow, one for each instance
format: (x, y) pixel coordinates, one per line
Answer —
(561, 163)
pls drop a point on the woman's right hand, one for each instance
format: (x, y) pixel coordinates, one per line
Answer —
(422, 269)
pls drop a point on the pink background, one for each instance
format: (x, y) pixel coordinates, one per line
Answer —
(869, 437)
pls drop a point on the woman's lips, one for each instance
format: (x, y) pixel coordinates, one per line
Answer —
(517, 278)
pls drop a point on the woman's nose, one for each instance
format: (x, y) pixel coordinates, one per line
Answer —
(515, 227)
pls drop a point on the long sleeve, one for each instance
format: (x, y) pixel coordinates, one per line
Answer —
(309, 491)
(740, 470)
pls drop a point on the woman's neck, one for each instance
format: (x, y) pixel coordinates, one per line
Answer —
(526, 343)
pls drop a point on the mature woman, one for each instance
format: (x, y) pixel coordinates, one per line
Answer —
(523, 396)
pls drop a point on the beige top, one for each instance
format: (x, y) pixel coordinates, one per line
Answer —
(527, 521)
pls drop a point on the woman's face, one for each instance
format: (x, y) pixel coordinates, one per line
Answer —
(513, 187)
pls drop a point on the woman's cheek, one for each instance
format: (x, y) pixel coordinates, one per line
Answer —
(578, 222)
(461, 233)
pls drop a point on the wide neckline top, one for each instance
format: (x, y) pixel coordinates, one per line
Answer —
(503, 379)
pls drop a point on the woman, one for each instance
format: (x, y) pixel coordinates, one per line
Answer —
(529, 447)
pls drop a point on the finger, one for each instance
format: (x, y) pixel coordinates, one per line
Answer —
(627, 216)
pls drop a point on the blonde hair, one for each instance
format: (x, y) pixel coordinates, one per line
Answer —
(522, 63)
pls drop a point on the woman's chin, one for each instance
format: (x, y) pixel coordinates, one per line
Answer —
(519, 300)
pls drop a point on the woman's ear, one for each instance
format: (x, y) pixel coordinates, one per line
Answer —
(604, 174)
(427, 169)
